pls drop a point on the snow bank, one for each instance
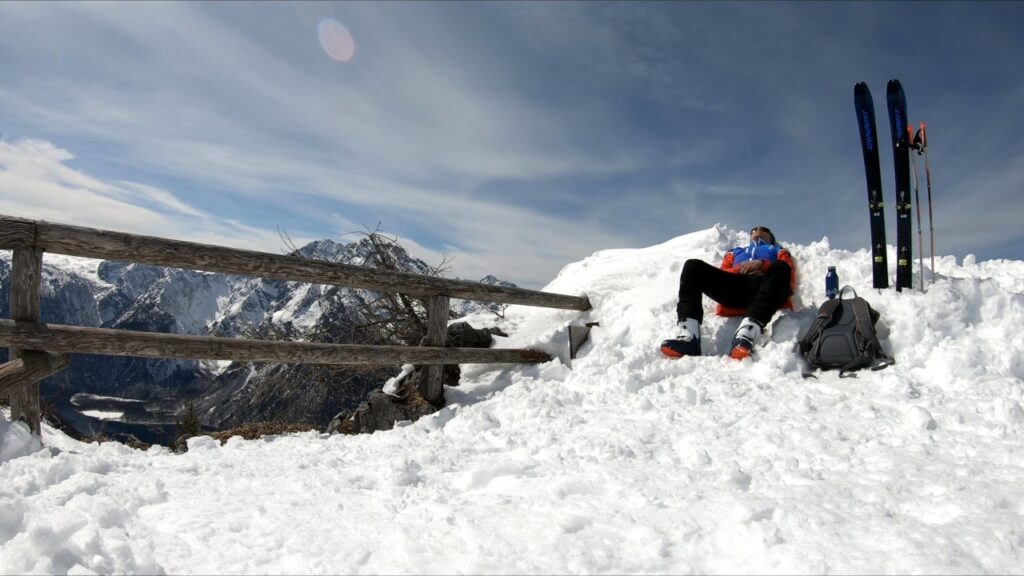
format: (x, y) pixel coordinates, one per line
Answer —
(15, 439)
(626, 463)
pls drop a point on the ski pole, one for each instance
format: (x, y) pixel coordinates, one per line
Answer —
(915, 144)
(928, 179)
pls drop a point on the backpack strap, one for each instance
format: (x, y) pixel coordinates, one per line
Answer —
(874, 359)
(873, 356)
(806, 370)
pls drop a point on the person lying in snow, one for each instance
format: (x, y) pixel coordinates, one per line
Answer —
(755, 281)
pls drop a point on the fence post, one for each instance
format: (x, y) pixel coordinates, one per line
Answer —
(437, 335)
(26, 276)
(30, 368)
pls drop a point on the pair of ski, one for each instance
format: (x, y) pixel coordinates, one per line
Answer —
(903, 140)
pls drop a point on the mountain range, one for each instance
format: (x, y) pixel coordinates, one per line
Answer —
(108, 294)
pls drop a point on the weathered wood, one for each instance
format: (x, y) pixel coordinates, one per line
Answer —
(56, 338)
(437, 334)
(93, 243)
(12, 374)
(26, 276)
(31, 368)
(17, 233)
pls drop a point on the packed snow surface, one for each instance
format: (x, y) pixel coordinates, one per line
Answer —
(625, 463)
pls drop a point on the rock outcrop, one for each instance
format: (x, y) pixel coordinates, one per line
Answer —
(382, 410)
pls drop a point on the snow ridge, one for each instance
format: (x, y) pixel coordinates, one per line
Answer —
(625, 463)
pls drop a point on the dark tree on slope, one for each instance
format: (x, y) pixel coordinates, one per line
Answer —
(188, 424)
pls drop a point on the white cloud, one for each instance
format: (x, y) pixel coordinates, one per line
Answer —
(486, 238)
(665, 112)
(408, 130)
(37, 183)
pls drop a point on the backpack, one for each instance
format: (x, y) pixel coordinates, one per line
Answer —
(842, 336)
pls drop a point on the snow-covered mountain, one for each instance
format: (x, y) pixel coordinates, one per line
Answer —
(625, 463)
(467, 307)
(111, 294)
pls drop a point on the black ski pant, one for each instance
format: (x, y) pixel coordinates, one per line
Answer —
(762, 296)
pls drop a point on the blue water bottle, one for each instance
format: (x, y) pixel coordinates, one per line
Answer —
(831, 283)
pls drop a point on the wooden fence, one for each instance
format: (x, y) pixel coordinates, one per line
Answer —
(38, 350)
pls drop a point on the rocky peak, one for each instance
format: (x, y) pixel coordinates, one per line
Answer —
(492, 281)
(326, 250)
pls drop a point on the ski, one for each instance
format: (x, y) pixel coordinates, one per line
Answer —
(865, 108)
(897, 101)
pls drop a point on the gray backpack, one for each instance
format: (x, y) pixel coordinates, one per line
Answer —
(842, 336)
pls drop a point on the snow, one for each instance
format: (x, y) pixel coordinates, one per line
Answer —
(627, 463)
(15, 441)
(83, 267)
(391, 386)
(82, 397)
(215, 367)
(103, 414)
(303, 309)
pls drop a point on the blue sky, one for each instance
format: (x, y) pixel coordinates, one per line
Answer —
(516, 137)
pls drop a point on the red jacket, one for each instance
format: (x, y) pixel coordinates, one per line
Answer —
(727, 265)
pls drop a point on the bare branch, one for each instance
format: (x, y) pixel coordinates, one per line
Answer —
(289, 245)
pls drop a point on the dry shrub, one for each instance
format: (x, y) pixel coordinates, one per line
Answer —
(256, 430)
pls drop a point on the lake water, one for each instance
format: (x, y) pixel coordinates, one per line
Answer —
(148, 422)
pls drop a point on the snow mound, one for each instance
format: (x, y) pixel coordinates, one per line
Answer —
(15, 439)
(627, 462)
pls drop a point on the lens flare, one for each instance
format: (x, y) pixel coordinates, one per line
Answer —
(336, 40)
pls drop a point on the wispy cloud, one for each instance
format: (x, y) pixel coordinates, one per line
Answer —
(516, 136)
(36, 182)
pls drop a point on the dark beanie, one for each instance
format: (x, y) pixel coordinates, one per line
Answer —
(771, 237)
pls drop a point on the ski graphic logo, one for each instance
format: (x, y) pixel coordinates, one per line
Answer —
(869, 137)
(898, 122)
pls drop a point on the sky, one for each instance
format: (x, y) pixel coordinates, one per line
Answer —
(512, 137)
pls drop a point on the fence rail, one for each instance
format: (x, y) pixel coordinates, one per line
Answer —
(57, 338)
(38, 350)
(121, 246)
